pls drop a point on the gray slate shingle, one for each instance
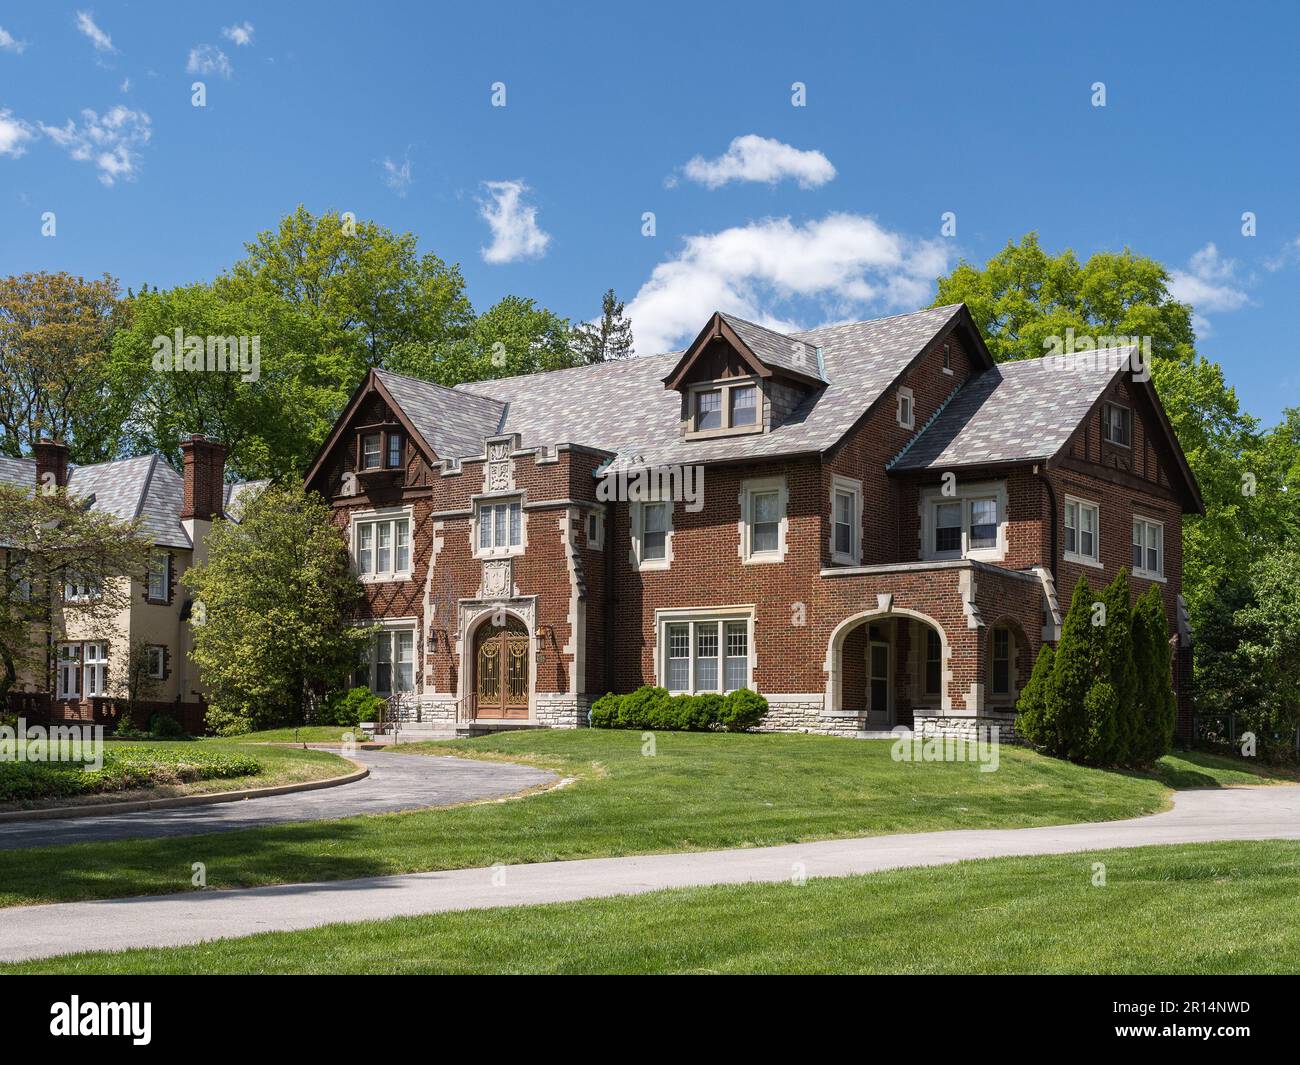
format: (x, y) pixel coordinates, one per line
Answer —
(452, 423)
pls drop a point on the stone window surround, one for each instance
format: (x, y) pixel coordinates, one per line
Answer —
(745, 527)
(636, 518)
(165, 557)
(1143, 572)
(1093, 560)
(161, 672)
(360, 517)
(850, 485)
(665, 616)
(905, 393)
(594, 527)
(1007, 699)
(490, 499)
(931, 497)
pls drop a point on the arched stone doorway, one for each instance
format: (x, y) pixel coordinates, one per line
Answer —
(502, 650)
(884, 665)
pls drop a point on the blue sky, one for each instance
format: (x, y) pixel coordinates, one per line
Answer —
(825, 212)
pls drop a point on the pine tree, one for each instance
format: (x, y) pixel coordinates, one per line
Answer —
(610, 338)
(1074, 671)
(1117, 656)
(1033, 722)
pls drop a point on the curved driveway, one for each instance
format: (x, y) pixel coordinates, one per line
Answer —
(396, 782)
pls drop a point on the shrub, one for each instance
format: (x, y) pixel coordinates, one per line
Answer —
(1074, 671)
(1161, 709)
(604, 711)
(642, 707)
(1100, 711)
(350, 708)
(742, 710)
(1118, 662)
(166, 727)
(706, 712)
(1033, 721)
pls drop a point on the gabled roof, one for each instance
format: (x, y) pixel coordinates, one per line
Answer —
(452, 423)
(622, 406)
(144, 487)
(1027, 411)
(765, 350)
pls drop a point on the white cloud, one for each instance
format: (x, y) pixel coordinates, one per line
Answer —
(101, 40)
(241, 34)
(1289, 254)
(847, 263)
(8, 43)
(111, 141)
(14, 134)
(126, 85)
(515, 233)
(397, 176)
(1209, 283)
(755, 158)
(208, 59)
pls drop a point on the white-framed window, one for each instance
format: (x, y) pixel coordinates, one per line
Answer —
(382, 546)
(1082, 525)
(94, 668)
(1148, 548)
(706, 651)
(372, 449)
(971, 524)
(159, 576)
(846, 520)
(721, 407)
(1117, 424)
(596, 529)
(947, 357)
(79, 589)
(652, 534)
(155, 661)
(388, 664)
(906, 408)
(68, 671)
(1001, 661)
(763, 519)
(500, 525)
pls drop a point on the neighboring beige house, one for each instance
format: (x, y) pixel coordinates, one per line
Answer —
(176, 511)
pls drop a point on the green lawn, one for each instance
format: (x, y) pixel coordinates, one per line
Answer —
(305, 734)
(1206, 908)
(699, 791)
(135, 769)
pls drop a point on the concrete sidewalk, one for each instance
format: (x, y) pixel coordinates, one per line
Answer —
(1256, 813)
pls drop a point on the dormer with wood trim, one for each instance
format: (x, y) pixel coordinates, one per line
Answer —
(738, 378)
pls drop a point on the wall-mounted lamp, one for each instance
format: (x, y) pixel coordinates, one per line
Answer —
(542, 635)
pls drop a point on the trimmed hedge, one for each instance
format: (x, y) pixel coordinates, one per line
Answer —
(657, 709)
(123, 770)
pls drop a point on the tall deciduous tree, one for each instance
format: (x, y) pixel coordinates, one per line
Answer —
(606, 339)
(273, 605)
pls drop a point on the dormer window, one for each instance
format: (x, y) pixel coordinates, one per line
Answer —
(719, 408)
(371, 449)
(380, 449)
(394, 456)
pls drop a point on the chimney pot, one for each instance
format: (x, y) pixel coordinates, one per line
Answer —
(204, 477)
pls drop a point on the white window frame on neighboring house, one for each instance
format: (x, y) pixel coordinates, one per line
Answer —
(1108, 424)
(717, 629)
(967, 495)
(68, 671)
(906, 413)
(158, 580)
(366, 547)
(637, 512)
(499, 527)
(78, 589)
(1144, 531)
(850, 488)
(386, 648)
(1076, 553)
(87, 669)
(750, 492)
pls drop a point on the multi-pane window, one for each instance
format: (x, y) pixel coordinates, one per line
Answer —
(983, 524)
(933, 662)
(394, 457)
(383, 547)
(389, 665)
(1001, 661)
(500, 525)
(80, 589)
(706, 656)
(69, 670)
(372, 447)
(744, 405)
(159, 575)
(1148, 548)
(947, 528)
(961, 526)
(654, 532)
(1081, 520)
(708, 410)
(94, 668)
(1117, 424)
(845, 506)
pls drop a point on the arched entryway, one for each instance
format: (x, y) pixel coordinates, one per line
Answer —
(501, 669)
(884, 665)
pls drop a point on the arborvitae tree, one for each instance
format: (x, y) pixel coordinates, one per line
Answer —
(1100, 709)
(1146, 657)
(1033, 721)
(1163, 703)
(1074, 671)
(1117, 656)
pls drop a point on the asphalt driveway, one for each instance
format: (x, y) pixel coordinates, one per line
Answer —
(396, 782)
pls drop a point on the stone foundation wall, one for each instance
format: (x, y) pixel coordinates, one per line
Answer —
(793, 713)
(438, 711)
(964, 727)
(561, 710)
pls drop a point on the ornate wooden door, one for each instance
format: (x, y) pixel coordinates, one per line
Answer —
(501, 670)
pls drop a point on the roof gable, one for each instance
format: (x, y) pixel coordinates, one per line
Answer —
(764, 350)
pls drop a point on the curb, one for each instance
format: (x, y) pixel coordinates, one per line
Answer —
(54, 813)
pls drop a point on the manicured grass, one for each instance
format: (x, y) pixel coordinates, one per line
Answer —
(305, 734)
(1205, 908)
(1202, 769)
(150, 770)
(697, 792)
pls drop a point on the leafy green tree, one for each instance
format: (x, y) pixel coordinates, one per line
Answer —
(1033, 721)
(49, 539)
(607, 339)
(1074, 670)
(272, 611)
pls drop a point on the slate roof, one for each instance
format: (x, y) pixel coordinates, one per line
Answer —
(452, 423)
(777, 350)
(144, 487)
(1017, 411)
(623, 406)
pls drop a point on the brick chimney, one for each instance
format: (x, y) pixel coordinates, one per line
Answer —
(205, 471)
(51, 458)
